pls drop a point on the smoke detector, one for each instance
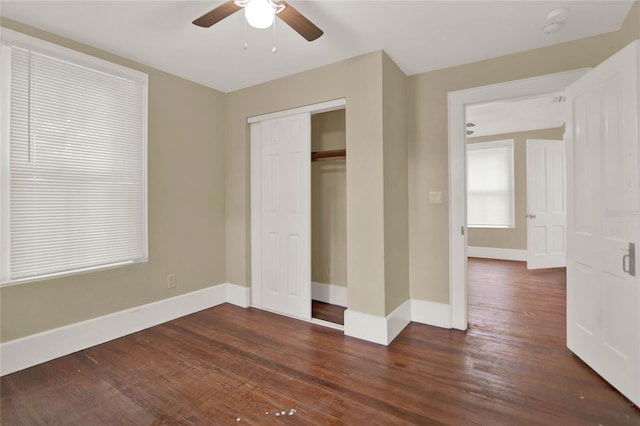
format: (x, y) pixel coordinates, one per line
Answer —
(555, 20)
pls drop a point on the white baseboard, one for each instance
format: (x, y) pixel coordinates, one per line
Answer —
(329, 293)
(430, 313)
(41, 347)
(238, 295)
(377, 329)
(28, 351)
(497, 253)
(371, 328)
(398, 320)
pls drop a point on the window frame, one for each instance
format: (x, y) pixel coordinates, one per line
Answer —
(9, 39)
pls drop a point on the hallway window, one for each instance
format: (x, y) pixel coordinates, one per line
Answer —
(490, 184)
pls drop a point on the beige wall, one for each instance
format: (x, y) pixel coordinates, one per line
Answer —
(186, 213)
(328, 201)
(396, 194)
(427, 133)
(199, 228)
(512, 238)
(359, 81)
(376, 178)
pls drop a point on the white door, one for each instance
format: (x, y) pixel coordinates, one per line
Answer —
(603, 300)
(546, 211)
(285, 271)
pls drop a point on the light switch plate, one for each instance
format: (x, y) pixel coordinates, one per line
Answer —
(435, 197)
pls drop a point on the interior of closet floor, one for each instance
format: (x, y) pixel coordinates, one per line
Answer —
(328, 312)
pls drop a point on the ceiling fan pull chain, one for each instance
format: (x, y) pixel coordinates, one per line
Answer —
(274, 50)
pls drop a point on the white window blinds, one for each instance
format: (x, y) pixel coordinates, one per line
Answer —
(77, 194)
(490, 184)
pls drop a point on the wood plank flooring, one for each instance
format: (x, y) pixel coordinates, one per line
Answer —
(229, 365)
(327, 312)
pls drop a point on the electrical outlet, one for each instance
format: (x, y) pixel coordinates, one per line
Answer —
(435, 197)
(171, 281)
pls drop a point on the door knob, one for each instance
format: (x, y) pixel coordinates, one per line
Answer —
(530, 216)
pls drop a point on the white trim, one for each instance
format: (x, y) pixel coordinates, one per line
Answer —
(312, 109)
(373, 328)
(41, 347)
(329, 293)
(398, 320)
(430, 313)
(28, 351)
(17, 39)
(497, 253)
(256, 216)
(327, 324)
(238, 295)
(5, 135)
(457, 170)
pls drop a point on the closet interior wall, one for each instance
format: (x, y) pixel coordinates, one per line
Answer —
(328, 201)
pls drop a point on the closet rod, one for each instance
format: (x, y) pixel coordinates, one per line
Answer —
(335, 154)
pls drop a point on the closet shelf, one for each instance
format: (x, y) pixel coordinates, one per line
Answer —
(336, 154)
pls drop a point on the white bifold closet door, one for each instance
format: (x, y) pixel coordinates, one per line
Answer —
(283, 264)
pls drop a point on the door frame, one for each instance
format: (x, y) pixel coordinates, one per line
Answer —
(256, 184)
(457, 101)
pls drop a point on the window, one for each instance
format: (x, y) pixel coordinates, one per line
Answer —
(490, 186)
(73, 143)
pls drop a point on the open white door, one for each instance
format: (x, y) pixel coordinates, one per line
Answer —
(546, 206)
(285, 219)
(603, 188)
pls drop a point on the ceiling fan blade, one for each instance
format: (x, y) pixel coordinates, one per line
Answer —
(299, 23)
(217, 14)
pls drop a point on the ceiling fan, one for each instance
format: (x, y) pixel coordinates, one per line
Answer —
(260, 14)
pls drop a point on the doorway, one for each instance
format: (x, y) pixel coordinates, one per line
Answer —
(458, 101)
(512, 166)
(602, 170)
(515, 180)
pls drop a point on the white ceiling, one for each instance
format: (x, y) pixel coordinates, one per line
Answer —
(517, 115)
(418, 35)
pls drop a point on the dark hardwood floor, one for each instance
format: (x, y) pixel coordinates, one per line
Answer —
(327, 312)
(229, 365)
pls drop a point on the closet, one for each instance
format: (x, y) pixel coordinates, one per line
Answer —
(328, 216)
(298, 212)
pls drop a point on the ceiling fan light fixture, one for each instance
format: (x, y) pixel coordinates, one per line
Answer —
(259, 13)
